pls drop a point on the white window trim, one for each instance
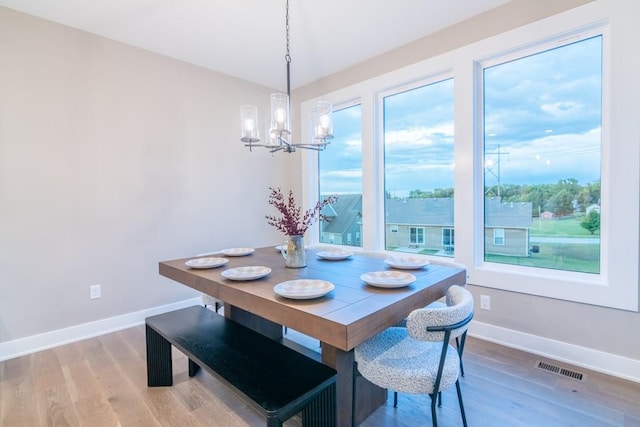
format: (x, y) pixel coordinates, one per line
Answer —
(498, 234)
(617, 284)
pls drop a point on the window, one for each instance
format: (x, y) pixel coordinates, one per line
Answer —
(542, 150)
(492, 85)
(416, 235)
(447, 237)
(340, 172)
(418, 159)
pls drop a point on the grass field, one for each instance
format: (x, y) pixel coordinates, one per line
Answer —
(565, 227)
(583, 258)
(569, 257)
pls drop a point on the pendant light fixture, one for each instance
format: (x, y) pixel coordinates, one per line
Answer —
(278, 125)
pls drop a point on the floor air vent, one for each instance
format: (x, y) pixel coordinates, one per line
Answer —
(560, 371)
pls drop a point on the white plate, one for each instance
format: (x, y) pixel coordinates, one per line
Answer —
(246, 273)
(406, 263)
(335, 255)
(202, 263)
(303, 288)
(388, 279)
(281, 248)
(238, 251)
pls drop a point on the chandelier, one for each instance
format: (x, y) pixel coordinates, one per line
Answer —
(278, 126)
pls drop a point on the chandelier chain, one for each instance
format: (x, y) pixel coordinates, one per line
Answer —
(287, 57)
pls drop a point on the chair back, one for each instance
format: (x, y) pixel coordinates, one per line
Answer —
(458, 309)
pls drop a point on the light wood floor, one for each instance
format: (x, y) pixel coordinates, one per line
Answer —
(102, 382)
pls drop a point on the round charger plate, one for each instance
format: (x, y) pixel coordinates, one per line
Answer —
(388, 279)
(246, 273)
(203, 263)
(303, 288)
(238, 251)
(335, 255)
(406, 263)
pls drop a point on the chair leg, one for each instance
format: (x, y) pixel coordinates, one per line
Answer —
(395, 399)
(464, 417)
(434, 418)
(460, 347)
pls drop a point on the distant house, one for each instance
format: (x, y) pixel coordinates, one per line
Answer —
(507, 227)
(428, 224)
(420, 223)
(546, 215)
(345, 221)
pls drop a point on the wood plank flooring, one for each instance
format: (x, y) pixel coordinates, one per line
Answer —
(102, 382)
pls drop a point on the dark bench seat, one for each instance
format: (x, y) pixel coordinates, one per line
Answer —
(278, 381)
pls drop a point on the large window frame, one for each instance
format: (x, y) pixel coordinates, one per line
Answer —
(617, 283)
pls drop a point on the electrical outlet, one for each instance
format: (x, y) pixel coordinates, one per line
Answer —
(95, 292)
(485, 302)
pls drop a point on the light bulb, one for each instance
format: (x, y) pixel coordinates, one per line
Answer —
(280, 115)
(324, 120)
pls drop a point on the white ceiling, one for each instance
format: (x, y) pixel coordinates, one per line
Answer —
(246, 38)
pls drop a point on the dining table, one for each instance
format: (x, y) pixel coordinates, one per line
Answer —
(347, 310)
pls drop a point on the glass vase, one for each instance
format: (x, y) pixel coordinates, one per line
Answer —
(295, 255)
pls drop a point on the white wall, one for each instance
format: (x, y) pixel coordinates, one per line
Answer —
(113, 159)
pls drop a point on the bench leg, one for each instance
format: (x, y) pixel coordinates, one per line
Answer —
(159, 370)
(321, 411)
(273, 421)
(193, 368)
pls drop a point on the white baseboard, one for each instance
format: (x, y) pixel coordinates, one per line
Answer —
(595, 360)
(34, 343)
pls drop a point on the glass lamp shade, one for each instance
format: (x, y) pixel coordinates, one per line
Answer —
(322, 122)
(249, 123)
(280, 118)
(270, 138)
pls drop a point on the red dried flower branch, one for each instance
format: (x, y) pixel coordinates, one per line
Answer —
(292, 222)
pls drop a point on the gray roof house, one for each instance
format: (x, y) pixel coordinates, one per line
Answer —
(344, 225)
(417, 224)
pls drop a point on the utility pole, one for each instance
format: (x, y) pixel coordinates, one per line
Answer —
(492, 168)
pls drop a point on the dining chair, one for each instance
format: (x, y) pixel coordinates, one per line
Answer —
(209, 300)
(459, 340)
(418, 359)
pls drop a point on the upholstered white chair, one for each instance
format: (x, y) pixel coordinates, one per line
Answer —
(418, 359)
(459, 342)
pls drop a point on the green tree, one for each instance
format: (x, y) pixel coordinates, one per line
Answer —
(561, 203)
(591, 222)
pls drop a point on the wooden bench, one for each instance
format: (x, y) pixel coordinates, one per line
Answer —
(277, 380)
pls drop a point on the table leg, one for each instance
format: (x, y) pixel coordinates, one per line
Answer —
(252, 321)
(368, 396)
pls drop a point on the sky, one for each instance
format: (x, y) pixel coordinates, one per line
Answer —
(542, 124)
